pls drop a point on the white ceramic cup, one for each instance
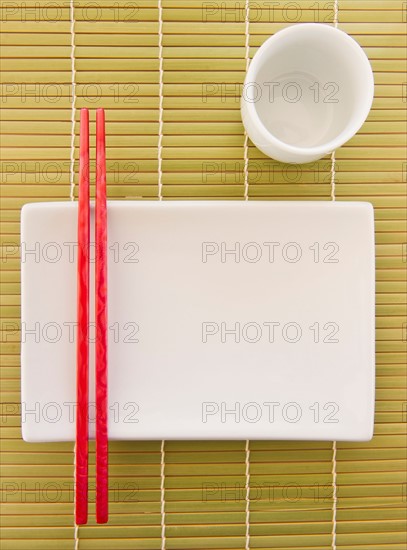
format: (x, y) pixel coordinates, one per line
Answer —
(308, 90)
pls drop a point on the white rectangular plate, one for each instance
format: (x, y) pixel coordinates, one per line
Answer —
(228, 320)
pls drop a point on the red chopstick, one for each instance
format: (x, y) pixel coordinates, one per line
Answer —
(82, 351)
(102, 490)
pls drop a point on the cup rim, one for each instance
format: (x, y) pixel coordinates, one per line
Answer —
(349, 131)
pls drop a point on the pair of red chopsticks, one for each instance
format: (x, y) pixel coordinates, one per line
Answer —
(82, 413)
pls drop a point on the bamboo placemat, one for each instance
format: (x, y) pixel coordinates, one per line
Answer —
(114, 54)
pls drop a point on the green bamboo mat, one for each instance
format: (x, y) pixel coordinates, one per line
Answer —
(117, 66)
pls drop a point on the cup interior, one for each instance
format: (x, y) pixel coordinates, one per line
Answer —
(311, 86)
